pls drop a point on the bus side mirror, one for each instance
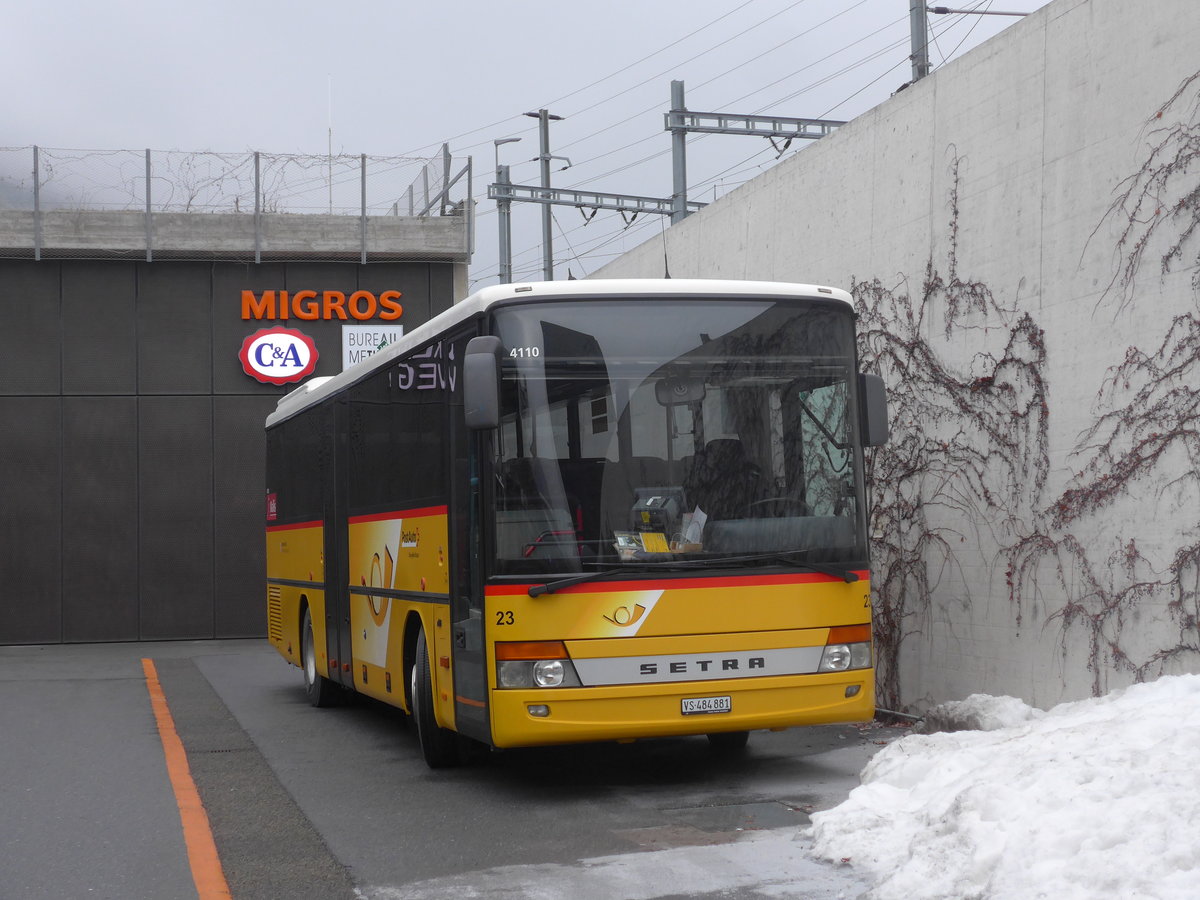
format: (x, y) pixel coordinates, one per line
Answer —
(874, 415)
(481, 382)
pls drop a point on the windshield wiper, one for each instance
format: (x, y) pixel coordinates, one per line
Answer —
(551, 586)
(640, 566)
(841, 572)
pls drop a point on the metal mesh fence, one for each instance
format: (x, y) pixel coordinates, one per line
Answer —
(171, 204)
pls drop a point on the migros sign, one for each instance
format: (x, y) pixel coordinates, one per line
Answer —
(313, 305)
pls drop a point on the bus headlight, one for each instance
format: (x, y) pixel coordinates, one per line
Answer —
(860, 656)
(548, 672)
(514, 674)
(534, 664)
(835, 658)
(848, 647)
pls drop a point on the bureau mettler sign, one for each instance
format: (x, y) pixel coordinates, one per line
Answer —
(362, 341)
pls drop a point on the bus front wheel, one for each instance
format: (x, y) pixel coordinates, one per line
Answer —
(439, 745)
(320, 690)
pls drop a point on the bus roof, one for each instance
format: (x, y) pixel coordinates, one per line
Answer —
(317, 389)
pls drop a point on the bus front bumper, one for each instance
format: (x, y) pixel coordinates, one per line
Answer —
(529, 718)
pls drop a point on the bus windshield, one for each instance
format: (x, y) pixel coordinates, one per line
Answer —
(674, 433)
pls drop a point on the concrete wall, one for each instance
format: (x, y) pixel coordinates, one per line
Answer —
(208, 235)
(1021, 232)
(272, 237)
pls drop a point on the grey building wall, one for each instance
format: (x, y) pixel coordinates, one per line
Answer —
(1021, 232)
(131, 440)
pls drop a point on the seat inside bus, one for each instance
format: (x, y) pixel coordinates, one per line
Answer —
(722, 481)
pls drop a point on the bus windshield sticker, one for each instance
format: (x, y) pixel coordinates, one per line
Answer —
(655, 542)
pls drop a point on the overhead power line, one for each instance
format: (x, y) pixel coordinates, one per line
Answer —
(625, 68)
(582, 250)
(727, 72)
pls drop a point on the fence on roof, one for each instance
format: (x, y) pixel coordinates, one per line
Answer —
(142, 194)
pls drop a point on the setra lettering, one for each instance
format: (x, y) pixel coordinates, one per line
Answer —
(700, 666)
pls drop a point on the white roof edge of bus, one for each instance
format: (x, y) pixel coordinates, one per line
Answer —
(317, 389)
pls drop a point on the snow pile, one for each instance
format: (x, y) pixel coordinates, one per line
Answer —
(1098, 798)
(979, 712)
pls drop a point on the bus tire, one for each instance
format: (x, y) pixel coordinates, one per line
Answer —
(439, 745)
(320, 690)
(728, 742)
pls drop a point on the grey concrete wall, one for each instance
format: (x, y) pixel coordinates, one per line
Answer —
(208, 235)
(1021, 233)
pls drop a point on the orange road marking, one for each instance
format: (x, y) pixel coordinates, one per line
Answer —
(197, 835)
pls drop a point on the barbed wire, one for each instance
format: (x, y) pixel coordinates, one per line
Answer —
(208, 181)
(231, 204)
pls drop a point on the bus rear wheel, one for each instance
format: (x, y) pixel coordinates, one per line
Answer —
(320, 690)
(439, 745)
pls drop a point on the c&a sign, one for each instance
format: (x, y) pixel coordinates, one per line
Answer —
(278, 355)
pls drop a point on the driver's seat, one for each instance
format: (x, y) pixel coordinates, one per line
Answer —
(722, 480)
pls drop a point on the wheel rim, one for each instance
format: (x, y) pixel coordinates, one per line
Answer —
(310, 664)
(412, 689)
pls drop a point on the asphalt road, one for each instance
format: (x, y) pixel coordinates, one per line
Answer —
(333, 803)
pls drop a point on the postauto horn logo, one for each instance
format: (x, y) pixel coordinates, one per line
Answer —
(278, 355)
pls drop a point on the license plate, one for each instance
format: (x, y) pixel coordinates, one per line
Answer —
(697, 706)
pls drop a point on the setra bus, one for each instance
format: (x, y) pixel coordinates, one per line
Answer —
(585, 511)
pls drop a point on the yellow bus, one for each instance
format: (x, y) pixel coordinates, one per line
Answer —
(585, 511)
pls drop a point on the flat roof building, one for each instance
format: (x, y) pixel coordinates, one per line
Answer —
(131, 417)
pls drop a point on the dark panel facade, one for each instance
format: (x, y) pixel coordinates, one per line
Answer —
(174, 319)
(31, 336)
(31, 523)
(175, 547)
(99, 327)
(132, 442)
(100, 519)
(441, 290)
(239, 496)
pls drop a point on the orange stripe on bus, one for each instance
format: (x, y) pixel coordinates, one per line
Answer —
(294, 526)
(207, 873)
(510, 590)
(469, 702)
(401, 514)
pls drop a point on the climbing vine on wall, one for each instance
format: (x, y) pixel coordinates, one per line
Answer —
(1144, 445)
(969, 461)
(1159, 204)
(968, 445)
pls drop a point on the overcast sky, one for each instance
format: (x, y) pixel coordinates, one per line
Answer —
(400, 78)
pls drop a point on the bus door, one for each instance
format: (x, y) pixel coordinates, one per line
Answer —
(335, 457)
(469, 462)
